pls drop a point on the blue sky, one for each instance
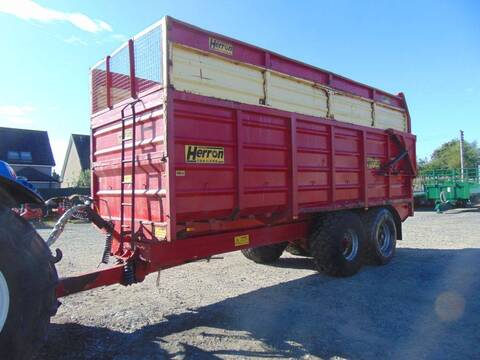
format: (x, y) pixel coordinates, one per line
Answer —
(430, 50)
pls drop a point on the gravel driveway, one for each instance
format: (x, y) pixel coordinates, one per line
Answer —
(425, 304)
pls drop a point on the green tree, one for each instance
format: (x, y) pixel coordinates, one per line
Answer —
(447, 156)
(84, 179)
(55, 176)
(422, 163)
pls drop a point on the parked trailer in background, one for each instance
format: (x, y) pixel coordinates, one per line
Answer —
(459, 187)
(202, 144)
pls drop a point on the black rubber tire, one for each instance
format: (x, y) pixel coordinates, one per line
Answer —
(297, 250)
(374, 219)
(265, 254)
(326, 244)
(26, 264)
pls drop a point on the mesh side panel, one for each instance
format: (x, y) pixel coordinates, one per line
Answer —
(148, 70)
(148, 60)
(99, 87)
(120, 73)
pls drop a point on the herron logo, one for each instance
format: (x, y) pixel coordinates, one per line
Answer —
(204, 154)
(220, 46)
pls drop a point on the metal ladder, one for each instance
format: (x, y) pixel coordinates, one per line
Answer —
(125, 229)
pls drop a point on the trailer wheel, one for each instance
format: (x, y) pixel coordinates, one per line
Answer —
(27, 288)
(297, 250)
(337, 244)
(381, 236)
(265, 254)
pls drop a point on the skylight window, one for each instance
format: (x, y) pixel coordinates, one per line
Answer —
(13, 155)
(26, 156)
(22, 156)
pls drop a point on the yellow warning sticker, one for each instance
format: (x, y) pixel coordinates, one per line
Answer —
(204, 154)
(160, 232)
(127, 179)
(242, 240)
(373, 163)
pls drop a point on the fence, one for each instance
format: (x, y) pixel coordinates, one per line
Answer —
(470, 175)
(60, 192)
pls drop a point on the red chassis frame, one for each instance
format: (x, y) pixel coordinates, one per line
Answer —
(165, 255)
(169, 254)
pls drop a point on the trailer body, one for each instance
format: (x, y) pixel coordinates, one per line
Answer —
(450, 185)
(202, 144)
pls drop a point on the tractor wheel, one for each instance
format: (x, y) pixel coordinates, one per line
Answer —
(337, 244)
(265, 254)
(381, 236)
(27, 287)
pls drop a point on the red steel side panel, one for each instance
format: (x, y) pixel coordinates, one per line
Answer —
(150, 180)
(277, 165)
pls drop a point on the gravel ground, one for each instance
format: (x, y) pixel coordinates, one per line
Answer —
(423, 305)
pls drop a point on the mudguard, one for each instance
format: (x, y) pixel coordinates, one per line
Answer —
(15, 191)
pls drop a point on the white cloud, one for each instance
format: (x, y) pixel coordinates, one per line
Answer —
(30, 10)
(16, 116)
(75, 40)
(119, 37)
(14, 121)
(13, 110)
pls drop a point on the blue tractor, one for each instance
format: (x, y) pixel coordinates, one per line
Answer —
(27, 272)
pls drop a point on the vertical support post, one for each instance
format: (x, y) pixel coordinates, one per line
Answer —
(131, 56)
(122, 181)
(461, 155)
(365, 170)
(109, 82)
(93, 177)
(330, 79)
(267, 60)
(240, 163)
(409, 121)
(333, 196)
(170, 146)
(389, 177)
(134, 161)
(294, 166)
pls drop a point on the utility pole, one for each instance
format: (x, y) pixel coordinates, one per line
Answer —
(461, 154)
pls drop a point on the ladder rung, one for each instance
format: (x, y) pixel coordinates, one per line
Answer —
(127, 161)
(127, 204)
(127, 139)
(126, 182)
(125, 226)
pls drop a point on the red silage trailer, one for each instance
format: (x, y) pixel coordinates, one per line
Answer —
(202, 144)
(219, 170)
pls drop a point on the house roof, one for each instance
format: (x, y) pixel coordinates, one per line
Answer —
(34, 142)
(82, 143)
(34, 175)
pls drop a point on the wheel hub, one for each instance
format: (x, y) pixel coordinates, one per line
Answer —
(350, 245)
(384, 239)
(4, 300)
